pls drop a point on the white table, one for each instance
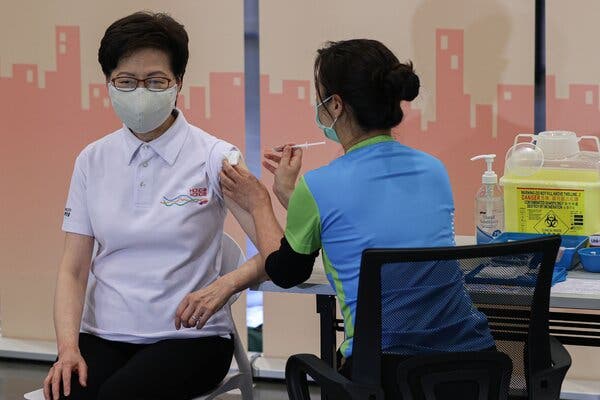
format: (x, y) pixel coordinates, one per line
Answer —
(581, 291)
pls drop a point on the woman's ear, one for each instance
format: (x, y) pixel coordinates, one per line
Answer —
(337, 106)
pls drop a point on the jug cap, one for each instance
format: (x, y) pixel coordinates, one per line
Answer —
(558, 144)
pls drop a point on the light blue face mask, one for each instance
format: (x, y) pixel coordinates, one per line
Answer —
(329, 131)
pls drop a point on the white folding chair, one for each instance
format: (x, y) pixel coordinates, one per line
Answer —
(232, 258)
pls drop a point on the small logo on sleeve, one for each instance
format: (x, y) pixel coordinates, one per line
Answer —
(198, 191)
(67, 212)
(196, 196)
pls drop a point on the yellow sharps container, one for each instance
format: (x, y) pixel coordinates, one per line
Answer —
(551, 185)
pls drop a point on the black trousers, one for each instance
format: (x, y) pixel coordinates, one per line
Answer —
(175, 369)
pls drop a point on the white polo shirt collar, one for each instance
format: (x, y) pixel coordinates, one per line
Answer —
(167, 146)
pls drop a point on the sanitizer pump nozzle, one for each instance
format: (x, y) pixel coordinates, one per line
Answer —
(489, 177)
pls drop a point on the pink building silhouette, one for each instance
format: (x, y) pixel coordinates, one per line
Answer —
(53, 118)
(57, 108)
(579, 112)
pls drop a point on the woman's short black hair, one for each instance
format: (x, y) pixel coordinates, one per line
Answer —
(144, 30)
(369, 79)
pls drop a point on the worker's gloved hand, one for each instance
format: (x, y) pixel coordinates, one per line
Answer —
(285, 168)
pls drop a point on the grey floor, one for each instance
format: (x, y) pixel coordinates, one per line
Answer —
(19, 377)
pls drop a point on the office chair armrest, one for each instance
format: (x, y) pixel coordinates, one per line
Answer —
(546, 384)
(561, 359)
(332, 383)
(299, 365)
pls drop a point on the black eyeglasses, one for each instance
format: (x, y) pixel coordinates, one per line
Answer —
(129, 84)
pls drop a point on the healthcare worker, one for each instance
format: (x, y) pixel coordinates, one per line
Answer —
(128, 322)
(380, 193)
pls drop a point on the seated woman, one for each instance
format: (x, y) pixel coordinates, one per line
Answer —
(149, 195)
(380, 193)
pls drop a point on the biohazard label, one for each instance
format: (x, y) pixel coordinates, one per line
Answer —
(551, 211)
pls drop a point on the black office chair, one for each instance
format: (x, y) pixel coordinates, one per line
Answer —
(509, 282)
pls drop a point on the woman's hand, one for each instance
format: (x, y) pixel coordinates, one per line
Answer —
(285, 168)
(68, 362)
(197, 307)
(243, 188)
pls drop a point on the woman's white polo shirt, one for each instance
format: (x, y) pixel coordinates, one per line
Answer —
(156, 211)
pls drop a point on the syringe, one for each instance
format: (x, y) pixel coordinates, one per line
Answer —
(299, 146)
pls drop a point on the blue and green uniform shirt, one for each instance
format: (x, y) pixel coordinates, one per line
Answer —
(384, 194)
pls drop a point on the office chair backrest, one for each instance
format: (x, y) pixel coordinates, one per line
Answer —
(508, 282)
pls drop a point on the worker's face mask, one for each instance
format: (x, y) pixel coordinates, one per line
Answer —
(142, 110)
(329, 131)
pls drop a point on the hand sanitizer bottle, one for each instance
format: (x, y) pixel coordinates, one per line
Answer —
(489, 204)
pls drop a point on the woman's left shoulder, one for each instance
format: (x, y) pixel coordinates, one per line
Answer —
(208, 140)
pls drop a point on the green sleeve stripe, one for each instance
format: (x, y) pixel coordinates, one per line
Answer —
(303, 227)
(341, 295)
